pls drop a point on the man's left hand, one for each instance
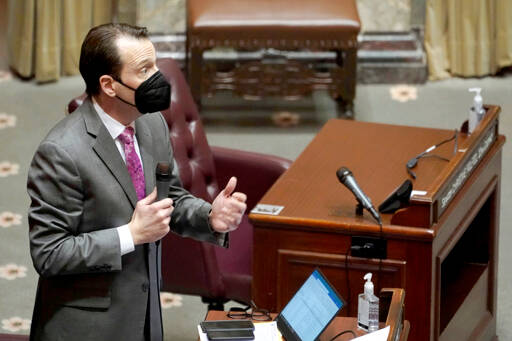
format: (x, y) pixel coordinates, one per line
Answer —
(228, 208)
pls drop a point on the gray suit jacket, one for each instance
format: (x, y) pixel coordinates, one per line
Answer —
(80, 191)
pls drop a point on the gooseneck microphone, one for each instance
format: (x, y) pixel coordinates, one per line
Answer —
(346, 178)
(163, 179)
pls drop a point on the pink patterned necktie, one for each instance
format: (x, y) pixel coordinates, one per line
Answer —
(133, 162)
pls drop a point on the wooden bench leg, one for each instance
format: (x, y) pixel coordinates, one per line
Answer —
(195, 73)
(346, 87)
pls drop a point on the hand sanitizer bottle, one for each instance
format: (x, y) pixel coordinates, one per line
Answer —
(477, 111)
(368, 307)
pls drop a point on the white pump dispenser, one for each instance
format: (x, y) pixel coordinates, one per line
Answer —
(368, 285)
(477, 111)
(368, 307)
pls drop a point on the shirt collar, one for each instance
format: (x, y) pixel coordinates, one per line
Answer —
(114, 127)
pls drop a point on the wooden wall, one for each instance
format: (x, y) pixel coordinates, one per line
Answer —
(3, 34)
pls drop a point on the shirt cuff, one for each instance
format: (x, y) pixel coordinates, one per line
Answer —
(221, 237)
(125, 239)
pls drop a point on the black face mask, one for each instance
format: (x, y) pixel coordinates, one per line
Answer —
(152, 95)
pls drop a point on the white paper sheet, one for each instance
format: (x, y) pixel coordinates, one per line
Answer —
(379, 335)
(267, 209)
(418, 193)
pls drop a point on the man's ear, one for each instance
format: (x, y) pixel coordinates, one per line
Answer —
(107, 85)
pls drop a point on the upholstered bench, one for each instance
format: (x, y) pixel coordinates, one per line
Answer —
(285, 25)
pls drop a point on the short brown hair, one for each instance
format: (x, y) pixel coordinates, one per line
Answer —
(100, 56)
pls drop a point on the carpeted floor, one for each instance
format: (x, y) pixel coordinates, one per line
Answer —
(28, 111)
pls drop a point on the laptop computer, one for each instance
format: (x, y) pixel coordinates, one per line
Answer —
(310, 310)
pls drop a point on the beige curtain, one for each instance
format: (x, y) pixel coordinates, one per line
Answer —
(504, 33)
(468, 37)
(45, 36)
(20, 35)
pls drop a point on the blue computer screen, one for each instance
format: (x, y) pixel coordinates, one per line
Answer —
(312, 307)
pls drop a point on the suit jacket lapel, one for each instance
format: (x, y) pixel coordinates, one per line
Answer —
(145, 142)
(107, 151)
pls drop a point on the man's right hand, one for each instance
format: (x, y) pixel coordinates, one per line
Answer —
(150, 220)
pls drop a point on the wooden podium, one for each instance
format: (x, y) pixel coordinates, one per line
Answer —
(442, 249)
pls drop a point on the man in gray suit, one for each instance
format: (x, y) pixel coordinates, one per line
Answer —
(95, 223)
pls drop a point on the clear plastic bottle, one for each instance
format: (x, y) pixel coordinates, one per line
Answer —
(477, 111)
(368, 307)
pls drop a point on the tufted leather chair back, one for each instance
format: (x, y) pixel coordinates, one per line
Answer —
(191, 149)
(189, 266)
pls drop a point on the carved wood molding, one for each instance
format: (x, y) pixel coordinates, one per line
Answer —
(255, 80)
(204, 43)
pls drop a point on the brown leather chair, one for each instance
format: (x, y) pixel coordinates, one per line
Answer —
(190, 267)
(313, 25)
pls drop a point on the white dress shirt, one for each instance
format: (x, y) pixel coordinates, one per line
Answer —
(115, 129)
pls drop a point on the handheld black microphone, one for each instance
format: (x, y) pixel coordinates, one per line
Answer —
(163, 179)
(346, 178)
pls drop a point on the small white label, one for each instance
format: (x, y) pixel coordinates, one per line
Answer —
(413, 193)
(267, 209)
(363, 313)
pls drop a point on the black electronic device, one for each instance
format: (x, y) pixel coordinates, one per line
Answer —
(310, 310)
(399, 198)
(414, 161)
(207, 326)
(163, 179)
(235, 334)
(346, 178)
(368, 247)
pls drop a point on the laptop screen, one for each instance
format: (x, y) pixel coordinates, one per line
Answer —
(310, 310)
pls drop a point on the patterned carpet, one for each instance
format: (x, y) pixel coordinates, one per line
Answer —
(28, 111)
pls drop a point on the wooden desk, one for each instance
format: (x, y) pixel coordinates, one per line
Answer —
(337, 325)
(442, 249)
(391, 310)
